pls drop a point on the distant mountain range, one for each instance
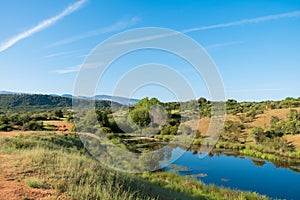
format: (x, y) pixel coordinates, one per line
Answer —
(120, 100)
(7, 92)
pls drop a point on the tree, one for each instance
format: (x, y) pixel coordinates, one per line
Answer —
(232, 130)
(258, 134)
(293, 115)
(58, 113)
(102, 118)
(202, 101)
(33, 126)
(141, 117)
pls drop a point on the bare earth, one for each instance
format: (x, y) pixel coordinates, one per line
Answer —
(12, 185)
(13, 188)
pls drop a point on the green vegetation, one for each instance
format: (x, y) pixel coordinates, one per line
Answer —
(25, 102)
(195, 189)
(36, 183)
(28, 121)
(141, 120)
(61, 163)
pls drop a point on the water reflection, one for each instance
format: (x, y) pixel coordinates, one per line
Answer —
(232, 170)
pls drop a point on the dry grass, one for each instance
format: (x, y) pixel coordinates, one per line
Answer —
(203, 124)
(12, 184)
(295, 139)
(261, 120)
(264, 120)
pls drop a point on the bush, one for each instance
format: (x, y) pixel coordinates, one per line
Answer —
(5, 127)
(258, 134)
(33, 126)
(36, 183)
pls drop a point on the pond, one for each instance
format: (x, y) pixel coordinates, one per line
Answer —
(238, 173)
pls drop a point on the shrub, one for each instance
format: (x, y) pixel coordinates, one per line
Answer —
(34, 126)
(36, 183)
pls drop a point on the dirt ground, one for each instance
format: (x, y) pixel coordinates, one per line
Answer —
(61, 125)
(12, 187)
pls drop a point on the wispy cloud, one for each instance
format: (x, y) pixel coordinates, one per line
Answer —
(246, 21)
(68, 53)
(77, 68)
(122, 24)
(216, 26)
(68, 70)
(225, 44)
(41, 26)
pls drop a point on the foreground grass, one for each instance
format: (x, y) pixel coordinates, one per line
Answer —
(59, 162)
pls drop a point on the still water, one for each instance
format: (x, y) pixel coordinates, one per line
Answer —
(240, 173)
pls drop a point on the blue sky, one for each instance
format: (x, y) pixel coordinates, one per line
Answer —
(255, 44)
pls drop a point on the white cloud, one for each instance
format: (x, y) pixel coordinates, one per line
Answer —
(77, 68)
(122, 24)
(68, 70)
(41, 26)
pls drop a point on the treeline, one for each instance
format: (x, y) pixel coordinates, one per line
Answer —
(38, 102)
(235, 107)
(148, 117)
(25, 100)
(151, 115)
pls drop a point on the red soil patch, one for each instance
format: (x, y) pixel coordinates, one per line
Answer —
(12, 133)
(16, 189)
(61, 125)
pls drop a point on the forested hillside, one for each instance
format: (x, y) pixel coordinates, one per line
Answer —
(24, 102)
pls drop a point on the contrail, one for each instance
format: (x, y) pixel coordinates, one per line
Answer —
(246, 21)
(41, 26)
(122, 24)
(215, 26)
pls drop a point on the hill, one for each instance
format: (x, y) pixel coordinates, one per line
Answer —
(260, 120)
(22, 102)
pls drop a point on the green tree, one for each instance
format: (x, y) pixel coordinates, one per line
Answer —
(141, 117)
(58, 113)
(293, 115)
(33, 126)
(258, 134)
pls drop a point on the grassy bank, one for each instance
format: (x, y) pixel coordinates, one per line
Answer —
(60, 163)
(261, 152)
